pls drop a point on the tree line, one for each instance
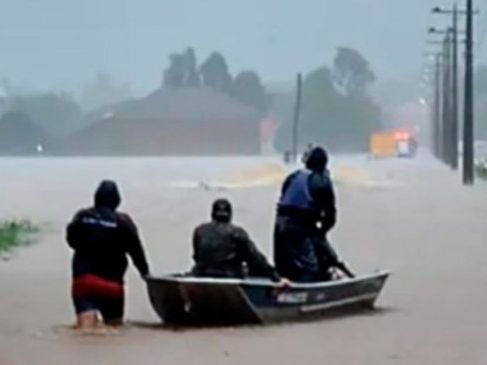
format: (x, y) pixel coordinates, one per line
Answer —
(214, 73)
(337, 109)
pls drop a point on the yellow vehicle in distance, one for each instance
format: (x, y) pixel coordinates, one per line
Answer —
(397, 143)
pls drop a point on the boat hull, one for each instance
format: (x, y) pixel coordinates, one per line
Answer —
(181, 300)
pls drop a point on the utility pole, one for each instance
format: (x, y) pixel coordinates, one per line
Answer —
(468, 109)
(297, 112)
(446, 120)
(468, 127)
(443, 129)
(437, 107)
(438, 129)
(454, 81)
(431, 77)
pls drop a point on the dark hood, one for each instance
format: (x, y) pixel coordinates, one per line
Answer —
(317, 159)
(221, 211)
(107, 195)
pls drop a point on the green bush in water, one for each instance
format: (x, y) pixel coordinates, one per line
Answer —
(15, 233)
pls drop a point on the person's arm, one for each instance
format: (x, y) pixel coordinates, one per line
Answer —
(134, 245)
(329, 257)
(323, 193)
(255, 260)
(326, 252)
(74, 231)
(330, 218)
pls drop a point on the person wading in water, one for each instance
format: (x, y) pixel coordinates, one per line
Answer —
(101, 239)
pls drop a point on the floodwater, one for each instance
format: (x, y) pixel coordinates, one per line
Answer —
(422, 225)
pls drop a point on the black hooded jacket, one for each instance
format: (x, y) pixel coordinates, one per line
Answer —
(300, 246)
(102, 238)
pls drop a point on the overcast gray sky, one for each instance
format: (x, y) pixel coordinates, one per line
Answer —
(62, 43)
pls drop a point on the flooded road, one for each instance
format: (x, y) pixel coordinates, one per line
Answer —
(411, 217)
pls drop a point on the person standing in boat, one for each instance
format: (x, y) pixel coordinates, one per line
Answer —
(224, 250)
(102, 238)
(306, 212)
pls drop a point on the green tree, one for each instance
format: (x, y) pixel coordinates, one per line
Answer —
(341, 121)
(248, 89)
(215, 74)
(182, 70)
(320, 102)
(352, 71)
(191, 77)
(322, 115)
(174, 75)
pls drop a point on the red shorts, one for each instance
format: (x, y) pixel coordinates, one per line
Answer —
(93, 293)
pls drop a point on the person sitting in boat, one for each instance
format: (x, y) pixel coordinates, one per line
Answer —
(101, 239)
(306, 212)
(222, 249)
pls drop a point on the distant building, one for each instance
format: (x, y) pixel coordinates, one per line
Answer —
(182, 121)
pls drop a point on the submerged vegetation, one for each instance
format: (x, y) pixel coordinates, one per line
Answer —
(14, 233)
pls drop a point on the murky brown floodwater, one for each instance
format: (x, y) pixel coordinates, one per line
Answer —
(424, 227)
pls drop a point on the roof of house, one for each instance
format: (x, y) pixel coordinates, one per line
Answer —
(199, 104)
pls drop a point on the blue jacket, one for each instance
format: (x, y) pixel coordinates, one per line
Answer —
(306, 212)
